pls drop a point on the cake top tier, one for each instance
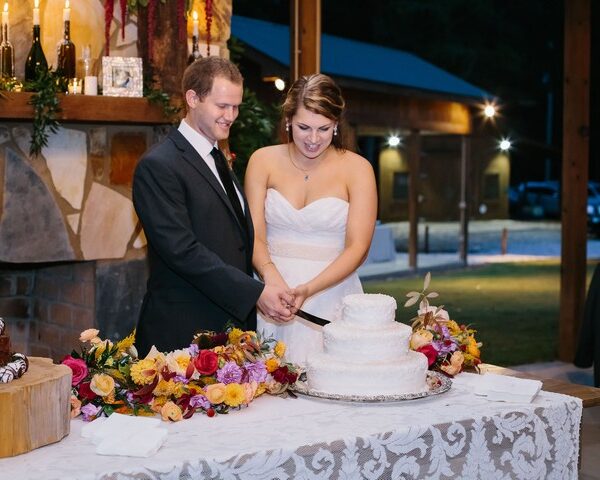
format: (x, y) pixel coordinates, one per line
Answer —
(365, 309)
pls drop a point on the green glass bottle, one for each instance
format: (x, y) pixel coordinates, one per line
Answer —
(7, 55)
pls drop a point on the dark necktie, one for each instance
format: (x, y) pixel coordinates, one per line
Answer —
(225, 176)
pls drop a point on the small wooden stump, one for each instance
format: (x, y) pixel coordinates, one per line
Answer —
(35, 409)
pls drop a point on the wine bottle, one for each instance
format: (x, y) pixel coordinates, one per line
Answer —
(195, 55)
(7, 55)
(66, 54)
(36, 58)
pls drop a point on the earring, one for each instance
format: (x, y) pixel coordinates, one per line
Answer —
(287, 127)
(335, 130)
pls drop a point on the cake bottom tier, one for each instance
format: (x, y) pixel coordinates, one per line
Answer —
(328, 374)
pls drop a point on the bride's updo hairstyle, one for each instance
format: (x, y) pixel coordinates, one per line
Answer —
(319, 94)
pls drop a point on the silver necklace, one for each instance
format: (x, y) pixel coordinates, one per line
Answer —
(305, 171)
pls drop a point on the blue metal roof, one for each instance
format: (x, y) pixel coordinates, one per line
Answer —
(352, 59)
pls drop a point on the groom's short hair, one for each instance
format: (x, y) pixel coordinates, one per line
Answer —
(200, 75)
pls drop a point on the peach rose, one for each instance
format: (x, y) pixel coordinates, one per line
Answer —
(215, 393)
(420, 338)
(250, 390)
(88, 335)
(170, 411)
(75, 406)
(456, 361)
(102, 384)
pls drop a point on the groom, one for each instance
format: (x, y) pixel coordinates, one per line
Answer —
(197, 222)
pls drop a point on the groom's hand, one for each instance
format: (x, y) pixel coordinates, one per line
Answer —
(276, 302)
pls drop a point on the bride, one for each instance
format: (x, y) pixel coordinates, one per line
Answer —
(314, 207)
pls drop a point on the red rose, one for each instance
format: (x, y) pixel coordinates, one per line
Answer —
(210, 412)
(86, 392)
(206, 362)
(78, 367)
(430, 352)
(281, 374)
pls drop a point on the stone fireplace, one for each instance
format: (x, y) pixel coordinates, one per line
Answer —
(72, 252)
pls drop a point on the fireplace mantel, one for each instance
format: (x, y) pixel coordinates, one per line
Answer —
(86, 109)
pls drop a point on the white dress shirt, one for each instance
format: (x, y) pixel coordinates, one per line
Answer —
(204, 147)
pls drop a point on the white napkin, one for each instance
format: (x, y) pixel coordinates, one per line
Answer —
(500, 388)
(126, 435)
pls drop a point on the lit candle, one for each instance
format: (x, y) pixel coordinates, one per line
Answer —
(195, 17)
(36, 12)
(66, 12)
(5, 14)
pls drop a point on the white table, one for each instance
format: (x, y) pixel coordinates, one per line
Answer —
(456, 435)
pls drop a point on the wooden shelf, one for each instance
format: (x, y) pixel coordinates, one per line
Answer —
(86, 109)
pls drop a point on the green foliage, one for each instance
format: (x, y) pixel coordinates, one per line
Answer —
(45, 104)
(252, 130)
(158, 97)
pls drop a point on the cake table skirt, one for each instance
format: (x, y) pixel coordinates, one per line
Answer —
(35, 409)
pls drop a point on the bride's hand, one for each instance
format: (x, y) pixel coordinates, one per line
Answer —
(301, 293)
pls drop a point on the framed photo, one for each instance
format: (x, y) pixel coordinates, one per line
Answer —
(122, 77)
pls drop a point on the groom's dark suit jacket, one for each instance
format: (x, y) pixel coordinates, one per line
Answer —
(200, 256)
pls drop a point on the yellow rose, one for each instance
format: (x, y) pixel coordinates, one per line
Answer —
(75, 406)
(170, 411)
(420, 338)
(455, 365)
(234, 335)
(102, 384)
(280, 349)
(88, 335)
(235, 394)
(215, 393)
(143, 372)
(177, 361)
(272, 364)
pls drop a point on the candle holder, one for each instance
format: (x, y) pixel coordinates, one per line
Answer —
(75, 86)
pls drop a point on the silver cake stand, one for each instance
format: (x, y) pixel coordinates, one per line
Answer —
(436, 383)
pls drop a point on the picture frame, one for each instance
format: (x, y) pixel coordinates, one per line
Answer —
(122, 77)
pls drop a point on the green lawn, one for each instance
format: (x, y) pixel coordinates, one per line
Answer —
(513, 306)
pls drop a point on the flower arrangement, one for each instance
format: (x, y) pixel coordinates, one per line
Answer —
(448, 346)
(216, 373)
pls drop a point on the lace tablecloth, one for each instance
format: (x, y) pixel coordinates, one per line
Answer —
(453, 435)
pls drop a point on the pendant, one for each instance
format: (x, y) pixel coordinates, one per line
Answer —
(306, 177)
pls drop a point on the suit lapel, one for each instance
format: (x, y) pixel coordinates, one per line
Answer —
(190, 155)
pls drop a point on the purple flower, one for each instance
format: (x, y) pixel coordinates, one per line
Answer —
(229, 373)
(181, 379)
(90, 411)
(193, 349)
(199, 401)
(257, 372)
(444, 346)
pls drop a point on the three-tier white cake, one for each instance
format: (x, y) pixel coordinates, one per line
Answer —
(366, 353)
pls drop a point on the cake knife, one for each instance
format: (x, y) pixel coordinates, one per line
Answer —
(312, 318)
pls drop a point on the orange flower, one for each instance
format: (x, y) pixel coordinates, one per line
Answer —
(272, 364)
(215, 393)
(455, 365)
(170, 411)
(75, 406)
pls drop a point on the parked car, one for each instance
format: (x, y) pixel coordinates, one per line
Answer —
(532, 200)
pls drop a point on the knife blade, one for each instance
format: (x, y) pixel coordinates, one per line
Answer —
(312, 318)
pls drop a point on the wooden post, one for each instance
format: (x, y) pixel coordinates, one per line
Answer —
(576, 116)
(504, 241)
(414, 161)
(463, 206)
(305, 38)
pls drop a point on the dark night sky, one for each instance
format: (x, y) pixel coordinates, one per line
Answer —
(512, 49)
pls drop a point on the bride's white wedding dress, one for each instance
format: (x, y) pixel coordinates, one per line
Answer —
(302, 243)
